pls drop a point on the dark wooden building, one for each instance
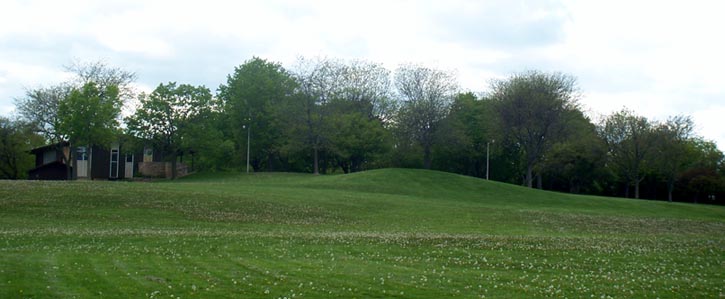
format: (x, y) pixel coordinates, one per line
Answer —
(104, 162)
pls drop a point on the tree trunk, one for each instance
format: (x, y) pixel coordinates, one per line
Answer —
(626, 190)
(539, 182)
(72, 175)
(344, 166)
(571, 186)
(12, 158)
(14, 166)
(574, 186)
(670, 188)
(426, 157)
(529, 176)
(355, 164)
(636, 189)
(89, 173)
(173, 166)
(324, 163)
(70, 162)
(256, 165)
(316, 165)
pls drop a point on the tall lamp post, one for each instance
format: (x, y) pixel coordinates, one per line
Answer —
(249, 129)
(488, 146)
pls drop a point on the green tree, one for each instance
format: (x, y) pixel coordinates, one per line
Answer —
(355, 139)
(167, 114)
(319, 83)
(103, 76)
(40, 106)
(465, 135)
(207, 144)
(16, 139)
(365, 86)
(426, 96)
(89, 116)
(672, 149)
(629, 139)
(706, 154)
(533, 109)
(578, 162)
(359, 112)
(254, 100)
(704, 175)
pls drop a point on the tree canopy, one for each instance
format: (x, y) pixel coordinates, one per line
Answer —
(166, 116)
(326, 115)
(426, 95)
(534, 112)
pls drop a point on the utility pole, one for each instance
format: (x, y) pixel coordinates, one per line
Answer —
(249, 133)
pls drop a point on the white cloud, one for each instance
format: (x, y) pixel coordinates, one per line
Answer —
(709, 123)
(16, 77)
(656, 57)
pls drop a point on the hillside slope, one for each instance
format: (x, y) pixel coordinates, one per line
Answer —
(410, 199)
(375, 234)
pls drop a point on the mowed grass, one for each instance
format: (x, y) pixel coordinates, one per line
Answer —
(389, 233)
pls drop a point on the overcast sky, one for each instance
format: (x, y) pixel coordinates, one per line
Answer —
(658, 58)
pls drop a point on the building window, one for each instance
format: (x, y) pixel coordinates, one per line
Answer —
(114, 164)
(50, 156)
(81, 154)
(148, 155)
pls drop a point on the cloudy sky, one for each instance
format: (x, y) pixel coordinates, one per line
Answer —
(658, 58)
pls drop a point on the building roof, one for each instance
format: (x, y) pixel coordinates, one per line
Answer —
(46, 148)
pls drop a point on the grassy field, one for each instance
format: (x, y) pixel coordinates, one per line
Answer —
(379, 234)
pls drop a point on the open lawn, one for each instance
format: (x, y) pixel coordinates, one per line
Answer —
(377, 234)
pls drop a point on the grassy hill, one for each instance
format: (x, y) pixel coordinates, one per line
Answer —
(376, 234)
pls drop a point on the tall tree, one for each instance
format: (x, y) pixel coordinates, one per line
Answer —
(704, 175)
(318, 81)
(168, 114)
(208, 143)
(360, 109)
(254, 98)
(629, 138)
(40, 106)
(465, 135)
(354, 138)
(16, 139)
(672, 149)
(103, 75)
(89, 116)
(426, 96)
(532, 109)
(366, 87)
(577, 163)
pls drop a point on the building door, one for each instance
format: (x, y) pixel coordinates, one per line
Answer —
(113, 171)
(128, 170)
(81, 162)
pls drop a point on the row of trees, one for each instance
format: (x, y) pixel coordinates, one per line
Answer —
(328, 115)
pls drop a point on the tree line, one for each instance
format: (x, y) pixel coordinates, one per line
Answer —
(326, 115)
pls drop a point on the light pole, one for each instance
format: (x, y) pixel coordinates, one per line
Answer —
(249, 129)
(488, 145)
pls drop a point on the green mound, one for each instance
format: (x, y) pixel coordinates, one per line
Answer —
(436, 187)
(382, 233)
